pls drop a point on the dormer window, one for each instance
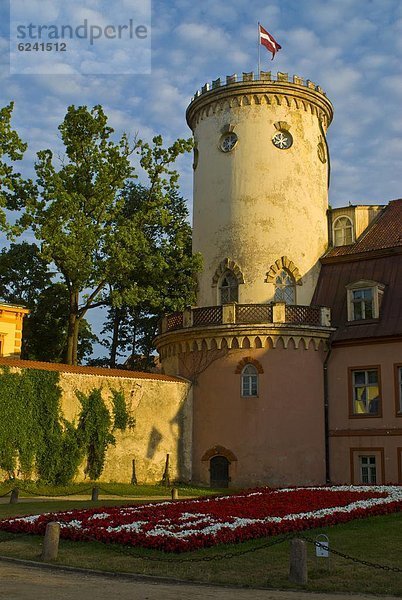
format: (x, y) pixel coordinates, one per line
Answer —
(343, 233)
(364, 300)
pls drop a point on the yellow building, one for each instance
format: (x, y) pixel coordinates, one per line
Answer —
(11, 319)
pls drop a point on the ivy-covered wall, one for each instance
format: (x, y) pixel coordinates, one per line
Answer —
(61, 425)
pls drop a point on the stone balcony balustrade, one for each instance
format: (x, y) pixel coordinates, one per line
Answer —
(274, 314)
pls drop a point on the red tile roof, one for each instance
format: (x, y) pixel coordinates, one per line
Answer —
(384, 232)
(47, 366)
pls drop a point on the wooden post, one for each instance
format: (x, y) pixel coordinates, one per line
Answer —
(298, 562)
(165, 476)
(175, 494)
(95, 494)
(133, 474)
(51, 542)
(14, 496)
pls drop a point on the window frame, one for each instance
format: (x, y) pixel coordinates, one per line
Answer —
(227, 273)
(243, 375)
(369, 467)
(356, 453)
(334, 228)
(398, 389)
(377, 294)
(352, 413)
(284, 287)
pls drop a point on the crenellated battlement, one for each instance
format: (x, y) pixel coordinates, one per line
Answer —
(265, 77)
(248, 89)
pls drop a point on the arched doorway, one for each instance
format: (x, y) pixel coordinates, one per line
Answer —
(219, 471)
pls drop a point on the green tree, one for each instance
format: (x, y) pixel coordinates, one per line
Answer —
(23, 274)
(47, 328)
(25, 278)
(165, 282)
(13, 188)
(79, 214)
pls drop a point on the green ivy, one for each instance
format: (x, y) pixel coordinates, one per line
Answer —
(35, 438)
(121, 418)
(94, 431)
(33, 434)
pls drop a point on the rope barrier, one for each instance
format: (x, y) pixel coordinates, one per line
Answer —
(128, 550)
(78, 493)
(366, 563)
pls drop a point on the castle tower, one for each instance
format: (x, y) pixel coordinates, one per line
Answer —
(260, 185)
(254, 347)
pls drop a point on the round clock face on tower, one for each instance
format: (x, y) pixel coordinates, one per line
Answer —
(228, 142)
(282, 140)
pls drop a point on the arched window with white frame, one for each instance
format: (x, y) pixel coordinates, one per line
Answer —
(285, 287)
(249, 381)
(343, 232)
(228, 288)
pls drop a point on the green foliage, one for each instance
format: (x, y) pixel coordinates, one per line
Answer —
(45, 330)
(25, 278)
(121, 418)
(34, 437)
(13, 188)
(109, 244)
(23, 274)
(94, 431)
(32, 434)
(165, 281)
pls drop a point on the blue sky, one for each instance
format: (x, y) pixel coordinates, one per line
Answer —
(351, 48)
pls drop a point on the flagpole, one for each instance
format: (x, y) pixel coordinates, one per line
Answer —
(259, 59)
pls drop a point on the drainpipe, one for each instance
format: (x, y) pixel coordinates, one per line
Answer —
(326, 416)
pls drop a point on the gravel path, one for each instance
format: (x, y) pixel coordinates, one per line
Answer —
(22, 582)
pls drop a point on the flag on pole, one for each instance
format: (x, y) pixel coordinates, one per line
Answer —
(268, 41)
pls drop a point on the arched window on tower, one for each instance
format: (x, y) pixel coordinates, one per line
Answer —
(229, 288)
(285, 288)
(343, 231)
(249, 381)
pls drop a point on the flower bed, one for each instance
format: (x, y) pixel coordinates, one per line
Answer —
(190, 524)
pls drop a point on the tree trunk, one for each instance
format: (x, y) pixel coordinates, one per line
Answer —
(115, 338)
(72, 334)
(75, 342)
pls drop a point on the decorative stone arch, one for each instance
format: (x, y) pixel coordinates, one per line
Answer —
(247, 360)
(227, 265)
(281, 264)
(219, 451)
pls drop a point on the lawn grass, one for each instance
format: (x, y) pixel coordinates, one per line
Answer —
(29, 488)
(375, 539)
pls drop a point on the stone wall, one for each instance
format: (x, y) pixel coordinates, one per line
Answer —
(160, 405)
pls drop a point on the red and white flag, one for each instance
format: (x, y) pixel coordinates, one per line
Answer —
(268, 41)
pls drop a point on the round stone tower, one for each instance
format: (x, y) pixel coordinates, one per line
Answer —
(260, 184)
(254, 348)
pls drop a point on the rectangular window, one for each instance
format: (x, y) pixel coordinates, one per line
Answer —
(362, 304)
(368, 469)
(365, 392)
